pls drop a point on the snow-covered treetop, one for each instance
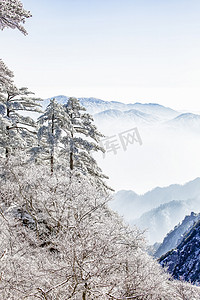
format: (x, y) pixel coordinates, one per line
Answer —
(82, 121)
(55, 110)
(12, 14)
(5, 76)
(74, 108)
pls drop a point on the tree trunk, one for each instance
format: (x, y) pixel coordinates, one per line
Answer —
(71, 161)
(7, 153)
(7, 127)
(71, 158)
(84, 296)
(84, 293)
(52, 151)
(52, 164)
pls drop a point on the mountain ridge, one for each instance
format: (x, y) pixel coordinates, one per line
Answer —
(90, 101)
(183, 262)
(175, 236)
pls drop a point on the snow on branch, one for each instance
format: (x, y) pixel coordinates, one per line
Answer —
(13, 15)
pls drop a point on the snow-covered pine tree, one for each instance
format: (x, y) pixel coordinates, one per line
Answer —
(12, 14)
(17, 131)
(82, 140)
(54, 123)
(5, 76)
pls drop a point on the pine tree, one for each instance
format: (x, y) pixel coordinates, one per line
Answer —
(12, 14)
(5, 76)
(54, 123)
(82, 140)
(17, 131)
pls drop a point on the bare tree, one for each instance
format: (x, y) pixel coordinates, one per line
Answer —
(59, 240)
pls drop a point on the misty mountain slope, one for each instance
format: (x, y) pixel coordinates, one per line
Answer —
(163, 195)
(157, 109)
(186, 121)
(184, 261)
(130, 116)
(125, 202)
(175, 236)
(109, 114)
(160, 220)
(97, 105)
(131, 205)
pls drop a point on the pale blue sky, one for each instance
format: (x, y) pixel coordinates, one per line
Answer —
(130, 50)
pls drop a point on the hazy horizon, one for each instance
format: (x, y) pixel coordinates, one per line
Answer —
(130, 51)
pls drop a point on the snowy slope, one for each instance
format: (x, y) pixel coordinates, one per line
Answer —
(184, 261)
(175, 236)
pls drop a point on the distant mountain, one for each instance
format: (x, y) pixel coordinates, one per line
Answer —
(159, 210)
(186, 117)
(138, 114)
(151, 249)
(132, 206)
(132, 115)
(187, 121)
(175, 236)
(160, 220)
(109, 114)
(95, 106)
(184, 261)
(156, 109)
